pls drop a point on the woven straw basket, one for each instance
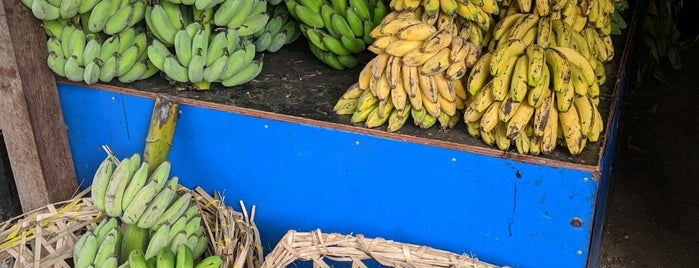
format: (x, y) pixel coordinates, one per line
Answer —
(316, 246)
(45, 237)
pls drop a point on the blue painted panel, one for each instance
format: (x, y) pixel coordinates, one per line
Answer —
(305, 177)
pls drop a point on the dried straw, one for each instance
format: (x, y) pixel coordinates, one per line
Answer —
(316, 246)
(45, 237)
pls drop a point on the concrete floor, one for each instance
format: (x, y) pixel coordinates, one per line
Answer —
(654, 208)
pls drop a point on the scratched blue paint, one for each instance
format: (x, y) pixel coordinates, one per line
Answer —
(305, 177)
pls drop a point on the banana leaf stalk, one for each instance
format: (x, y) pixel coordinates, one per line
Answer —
(160, 131)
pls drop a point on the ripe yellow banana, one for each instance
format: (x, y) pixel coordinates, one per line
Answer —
(480, 74)
(437, 41)
(542, 116)
(509, 49)
(416, 32)
(570, 124)
(585, 110)
(438, 63)
(550, 133)
(518, 86)
(490, 118)
(560, 70)
(501, 83)
(410, 79)
(416, 57)
(400, 48)
(519, 120)
(544, 31)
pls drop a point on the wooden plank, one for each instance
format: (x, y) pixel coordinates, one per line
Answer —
(32, 118)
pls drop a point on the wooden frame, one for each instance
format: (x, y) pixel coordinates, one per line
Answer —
(30, 113)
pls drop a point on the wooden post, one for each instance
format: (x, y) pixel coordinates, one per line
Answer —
(30, 113)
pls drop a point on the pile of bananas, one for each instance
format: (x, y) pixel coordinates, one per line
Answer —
(423, 52)
(149, 223)
(545, 61)
(337, 30)
(281, 29)
(95, 40)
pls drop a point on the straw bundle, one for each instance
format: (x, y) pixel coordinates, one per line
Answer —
(316, 246)
(45, 237)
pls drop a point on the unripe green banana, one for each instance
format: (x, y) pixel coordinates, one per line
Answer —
(109, 69)
(217, 48)
(200, 43)
(159, 204)
(151, 70)
(161, 24)
(92, 50)
(184, 257)
(92, 72)
(191, 212)
(107, 225)
(138, 180)
(54, 28)
(183, 47)
(126, 39)
(175, 210)
(44, 10)
(195, 70)
(77, 45)
(73, 70)
(213, 261)
(165, 258)
(127, 60)
(354, 45)
(245, 75)
(135, 73)
(160, 174)
(177, 227)
(56, 64)
(277, 42)
(115, 189)
(158, 241)
(174, 70)
(139, 11)
(263, 41)
(141, 41)
(180, 239)
(274, 25)
(308, 16)
(85, 250)
(232, 41)
(99, 15)
(355, 22)
(137, 259)
(109, 47)
(193, 227)
(87, 6)
(157, 56)
(192, 241)
(69, 8)
(213, 71)
(107, 248)
(202, 244)
(227, 10)
(334, 45)
(341, 25)
(100, 181)
(111, 262)
(140, 202)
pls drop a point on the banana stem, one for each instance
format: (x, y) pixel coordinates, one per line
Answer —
(160, 131)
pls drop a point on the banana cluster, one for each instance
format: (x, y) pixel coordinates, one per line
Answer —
(148, 220)
(245, 16)
(166, 18)
(201, 60)
(280, 30)
(337, 30)
(81, 57)
(417, 73)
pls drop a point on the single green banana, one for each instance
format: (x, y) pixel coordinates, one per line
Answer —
(326, 12)
(109, 69)
(308, 16)
(137, 259)
(180, 239)
(151, 70)
(184, 257)
(174, 70)
(159, 204)
(107, 248)
(277, 42)
(174, 13)
(213, 261)
(139, 12)
(368, 27)
(160, 174)
(175, 210)
(341, 26)
(335, 45)
(202, 244)
(134, 73)
(362, 8)
(85, 250)
(87, 6)
(54, 28)
(115, 189)
(177, 227)
(109, 47)
(157, 56)
(126, 38)
(245, 75)
(111, 262)
(127, 60)
(92, 50)
(100, 181)
(56, 64)
(227, 10)
(165, 258)
(340, 6)
(44, 10)
(349, 61)
(141, 201)
(192, 241)
(73, 70)
(108, 224)
(379, 12)
(217, 48)
(183, 47)
(99, 15)
(77, 45)
(191, 212)
(313, 37)
(193, 227)
(238, 60)
(213, 71)
(274, 25)
(138, 180)
(158, 241)
(353, 44)
(69, 8)
(92, 72)
(162, 25)
(263, 41)
(355, 22)
(195, 70)
(232, 41)
(253, 24)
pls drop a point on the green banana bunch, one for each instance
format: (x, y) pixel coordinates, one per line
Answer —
(165, 19)
(280, 30)
(245, 16)
(337, 29)
(114, 16)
